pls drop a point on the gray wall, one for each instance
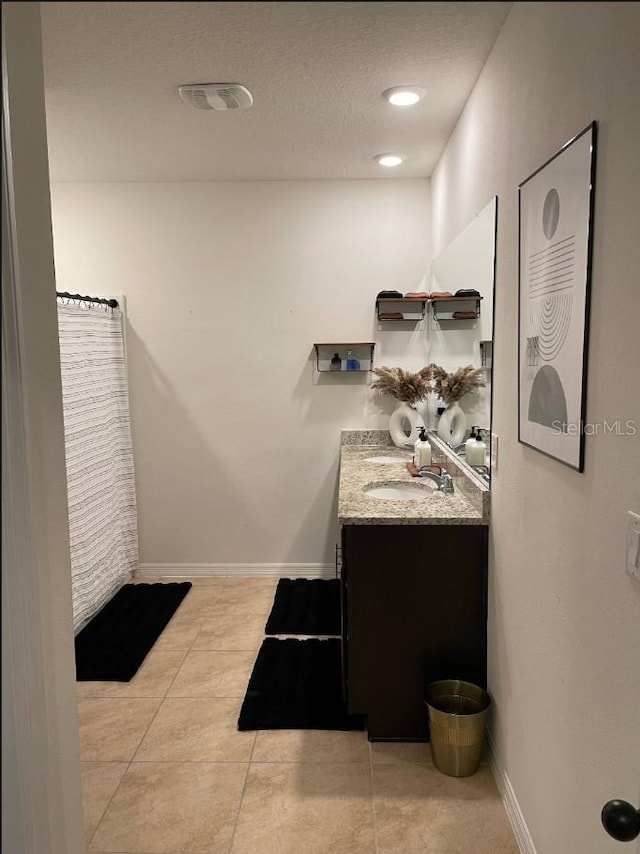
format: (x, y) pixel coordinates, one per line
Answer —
(564, 616)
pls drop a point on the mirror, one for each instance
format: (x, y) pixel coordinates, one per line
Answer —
(456, 336)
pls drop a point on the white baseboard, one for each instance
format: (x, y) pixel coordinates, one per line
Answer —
(514, 813)
(237, 570)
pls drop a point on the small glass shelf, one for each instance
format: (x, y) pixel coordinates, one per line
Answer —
(362, 351)
(400, 309)
(447, 309)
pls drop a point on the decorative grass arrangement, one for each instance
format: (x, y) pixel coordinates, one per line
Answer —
(451, 387)
(411, 388)
(403, 385)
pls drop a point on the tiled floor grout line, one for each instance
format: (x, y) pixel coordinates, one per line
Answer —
(244, 786)
(163, 697)
(240, 802)
(155, 714)
(248, 764)
(246, 776)
(87, 844)
(126, 770)
(132, 759)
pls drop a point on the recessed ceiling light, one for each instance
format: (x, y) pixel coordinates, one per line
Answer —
(390, 159)
(404, 96)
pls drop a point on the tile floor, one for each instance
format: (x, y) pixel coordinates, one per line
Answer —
(165, 770)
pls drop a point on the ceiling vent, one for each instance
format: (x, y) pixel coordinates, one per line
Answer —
(216, 96)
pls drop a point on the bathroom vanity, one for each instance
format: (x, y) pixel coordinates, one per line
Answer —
(414, 585)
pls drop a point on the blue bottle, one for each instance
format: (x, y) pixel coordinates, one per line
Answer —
(352, 363)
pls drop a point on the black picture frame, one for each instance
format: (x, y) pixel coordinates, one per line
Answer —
(555, 232)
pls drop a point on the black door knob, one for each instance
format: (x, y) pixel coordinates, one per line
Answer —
(621, 820)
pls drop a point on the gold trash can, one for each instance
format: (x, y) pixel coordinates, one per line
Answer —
(457, 722)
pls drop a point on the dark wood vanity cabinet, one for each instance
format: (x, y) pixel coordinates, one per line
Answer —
(414, 601)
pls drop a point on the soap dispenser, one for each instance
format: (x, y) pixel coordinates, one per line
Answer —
(422, 450)
(475, 452)
(480, 450)
(469, 445)
(336, 363)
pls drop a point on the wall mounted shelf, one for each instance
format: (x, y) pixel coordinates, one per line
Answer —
(399, 309)
(362, 351)
(446, 309)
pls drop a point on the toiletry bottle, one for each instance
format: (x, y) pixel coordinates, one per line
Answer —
(469, 446)
(475, 453)
(422, 450)
(480, 450)
(352, 363)
(336, 363)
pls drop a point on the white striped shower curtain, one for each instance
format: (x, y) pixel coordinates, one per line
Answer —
(103, 525)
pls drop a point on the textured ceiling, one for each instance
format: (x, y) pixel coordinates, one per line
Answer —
(316, 71)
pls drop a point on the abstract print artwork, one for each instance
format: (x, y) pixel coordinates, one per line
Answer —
(556, 231)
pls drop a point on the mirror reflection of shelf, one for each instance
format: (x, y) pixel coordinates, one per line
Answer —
(465, 268)
(486, 354)
(447, 309)
(400, 309)
(328, 356)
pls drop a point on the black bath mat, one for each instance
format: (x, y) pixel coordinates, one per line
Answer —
(305, 606)
(297, 684)
(115, 642)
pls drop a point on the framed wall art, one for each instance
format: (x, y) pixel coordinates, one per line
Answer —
(556, 236)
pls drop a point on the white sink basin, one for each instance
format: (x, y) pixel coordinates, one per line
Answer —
(401, 491)
(387, 459)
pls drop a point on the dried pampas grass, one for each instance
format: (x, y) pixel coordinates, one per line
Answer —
(412, 388)
(451, 387)
(405, 386)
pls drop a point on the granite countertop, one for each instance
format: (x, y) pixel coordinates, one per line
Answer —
(463, 507)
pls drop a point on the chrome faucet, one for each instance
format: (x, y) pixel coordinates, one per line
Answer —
(444, 480)
(483, 472)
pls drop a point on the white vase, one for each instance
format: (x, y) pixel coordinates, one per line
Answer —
(452, 426)
(404, 424)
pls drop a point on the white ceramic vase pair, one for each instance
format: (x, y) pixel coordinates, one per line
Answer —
(405, 423)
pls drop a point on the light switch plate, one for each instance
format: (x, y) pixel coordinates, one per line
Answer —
(633, 545)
